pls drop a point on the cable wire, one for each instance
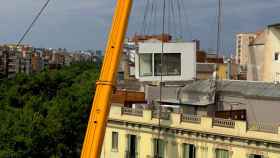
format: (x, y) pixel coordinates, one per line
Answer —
(219, 28)
(144, 23)
(161, 76)
(33, 22)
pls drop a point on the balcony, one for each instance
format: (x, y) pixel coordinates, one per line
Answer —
(200, 124)
(223, 123)
(263, 127)
(163, 115)
(131, 111)
(190, 118)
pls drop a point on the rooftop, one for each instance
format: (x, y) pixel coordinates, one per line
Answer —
(179, 121)
(277, 25)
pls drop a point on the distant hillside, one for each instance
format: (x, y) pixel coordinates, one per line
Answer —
(45, 115)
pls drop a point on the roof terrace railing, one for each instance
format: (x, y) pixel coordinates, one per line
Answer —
(223, 123)
(132, 111)
(163, 115)
(258, 126)
(187, 118)
(190, 118)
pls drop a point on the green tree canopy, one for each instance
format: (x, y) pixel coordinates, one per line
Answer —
(45, 115)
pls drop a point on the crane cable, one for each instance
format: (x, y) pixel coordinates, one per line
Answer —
(176, 19)
(144, 24)
(219, 28)
(180, 19)
(187, 20)
(33, 22)
(161, 76)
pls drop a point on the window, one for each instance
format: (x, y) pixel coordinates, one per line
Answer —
(188, 151)
(145, 61)
(131, 71)
(255, 156)
(220, 153)
(251, 39)
(120, 76)
(131, 151)
(115, 141)
(171, 64)
(159, 148)
(277, 77)
(277, 56)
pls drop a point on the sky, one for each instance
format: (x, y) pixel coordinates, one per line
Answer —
(84, 24)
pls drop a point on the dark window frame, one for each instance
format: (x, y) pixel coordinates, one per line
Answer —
(115, 141)
(157, 153)
(218, 149)
(167, 66)
(192, 153)
(277, 56)
(139, 63)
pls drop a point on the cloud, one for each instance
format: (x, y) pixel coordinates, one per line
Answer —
(85, 23)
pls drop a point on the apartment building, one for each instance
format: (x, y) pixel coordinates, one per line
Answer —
(242, 41)
(264, 61)
(134, 133)
(188, 125)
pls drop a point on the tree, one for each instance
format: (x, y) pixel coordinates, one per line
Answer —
(46, 115)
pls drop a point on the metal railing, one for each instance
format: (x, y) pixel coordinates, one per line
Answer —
(190, 118)
(132, 111)
(223, 122)
(219, 122)
(263, 127)
(163, 115)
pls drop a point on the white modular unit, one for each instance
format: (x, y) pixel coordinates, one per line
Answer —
(178, 60)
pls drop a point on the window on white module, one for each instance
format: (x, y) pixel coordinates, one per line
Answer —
(171, 64)
(145, 65)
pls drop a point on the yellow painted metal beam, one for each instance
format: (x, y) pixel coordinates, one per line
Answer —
(101, 105)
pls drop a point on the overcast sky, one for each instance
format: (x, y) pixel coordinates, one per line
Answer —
(84, 24)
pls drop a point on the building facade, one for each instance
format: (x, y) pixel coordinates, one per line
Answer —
(243, 40)
(264, 59)
(135, 133)
(188, 124)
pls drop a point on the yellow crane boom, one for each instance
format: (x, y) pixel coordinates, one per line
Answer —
(101, 105)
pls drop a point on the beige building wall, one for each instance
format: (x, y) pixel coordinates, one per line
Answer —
(272, 46)
(242, 51)
(205, 133)
(262, 63)
(255, 66)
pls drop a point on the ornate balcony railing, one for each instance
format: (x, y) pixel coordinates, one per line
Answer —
(263, 127)
(190, 118)
(132, 111)
(163, 115)
(223, 123)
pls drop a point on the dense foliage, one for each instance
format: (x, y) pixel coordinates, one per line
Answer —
(45, 115)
